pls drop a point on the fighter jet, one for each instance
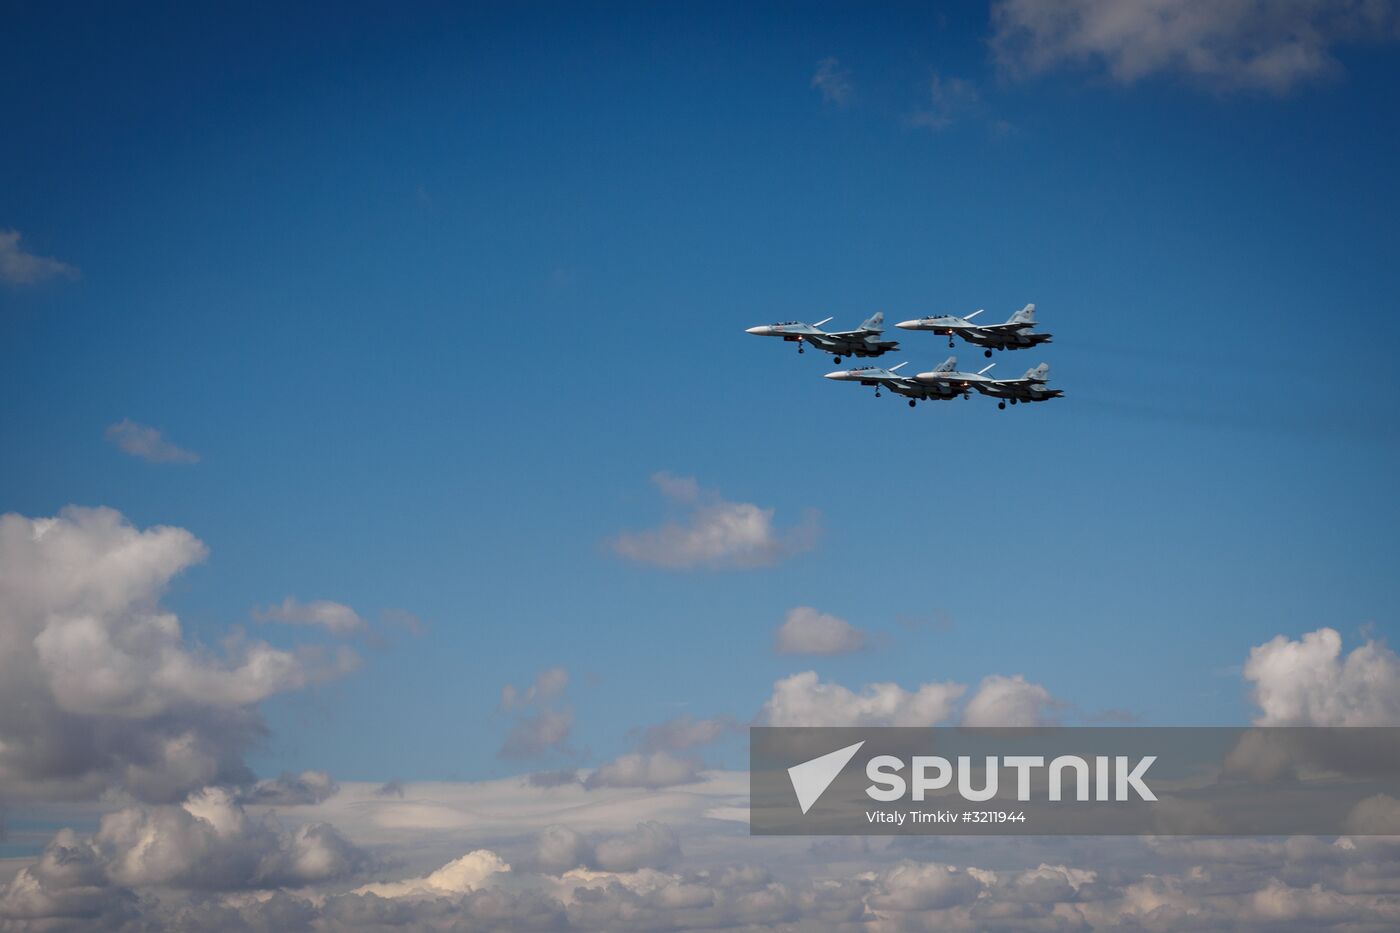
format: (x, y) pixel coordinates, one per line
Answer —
(859, 342)
(942, 383)
(1012, 335)
(947, 381)
(1029, 388)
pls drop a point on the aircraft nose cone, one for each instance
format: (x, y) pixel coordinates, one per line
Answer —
(907, 325)
(760, 330)
(836, 375)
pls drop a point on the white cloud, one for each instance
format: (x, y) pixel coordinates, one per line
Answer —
(1010, 701)
(18, 267)
(1225, 44)
(98, 687)
(645, 769)
(834, 83)
(145, 442)
(807, 631)
(1308, 683)
(208, 844)
(803, 700)
(336, 618)
(459, 876)
(716, 533)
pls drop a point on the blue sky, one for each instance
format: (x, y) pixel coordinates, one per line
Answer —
(432, 301)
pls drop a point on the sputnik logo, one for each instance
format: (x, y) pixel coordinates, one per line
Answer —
(811, 778)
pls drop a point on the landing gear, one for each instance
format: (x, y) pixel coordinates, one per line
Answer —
(1001, 405)
(836, 360)
(1013, 401)
(911, 403)
(950, 342)
(877, 393)
(987, 354)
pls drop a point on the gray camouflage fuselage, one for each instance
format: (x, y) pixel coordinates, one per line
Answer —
(864, 341)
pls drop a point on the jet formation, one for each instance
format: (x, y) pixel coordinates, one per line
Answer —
(944, 381)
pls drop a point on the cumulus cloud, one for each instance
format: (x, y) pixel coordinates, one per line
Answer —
(645, 769)
(1224, 44)
(459, 876)
(651, 844)
(98, 687)
(336, 618)
(147, 443)
(716, 533)
(1010, 701)
(803, 700)
(834, 83)
(807, 631)
(210, 842)
(20, 267)
(1308, 682)
(207, 844)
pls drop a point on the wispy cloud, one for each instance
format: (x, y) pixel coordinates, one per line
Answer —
(949, 100)
(542, 721)
(146, 442)
(336, 618)
(20, 267)
(716, 533)
(834, 83)
(1244, 45)
(685, 732)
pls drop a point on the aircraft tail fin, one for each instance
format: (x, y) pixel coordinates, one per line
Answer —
(874, 322)
(947, 365)
(1039, 373)
(1025, 316)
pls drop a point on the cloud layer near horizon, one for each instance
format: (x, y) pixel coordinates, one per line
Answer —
(91, 665)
